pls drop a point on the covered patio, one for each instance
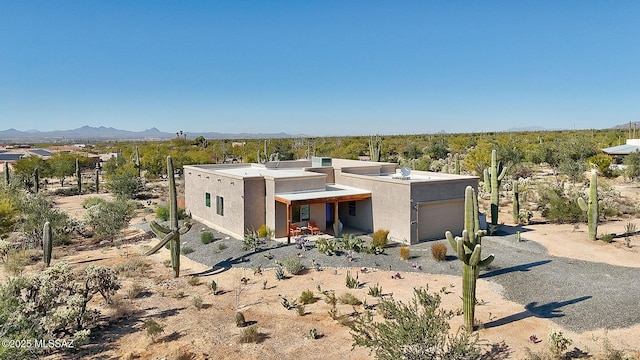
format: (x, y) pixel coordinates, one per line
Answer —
(332, 194)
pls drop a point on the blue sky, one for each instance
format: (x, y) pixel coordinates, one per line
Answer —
(319, 67)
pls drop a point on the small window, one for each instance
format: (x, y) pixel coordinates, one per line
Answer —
(300, 213)
(207, 199)
(220, 205)
(352, 208)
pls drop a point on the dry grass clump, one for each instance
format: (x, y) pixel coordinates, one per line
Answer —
(439, 251)
(380, 238)
(405, 253)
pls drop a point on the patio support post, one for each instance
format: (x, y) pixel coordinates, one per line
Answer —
(288, 224)
(336, 220)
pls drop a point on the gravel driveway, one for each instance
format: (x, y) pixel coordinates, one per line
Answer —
(577, 295)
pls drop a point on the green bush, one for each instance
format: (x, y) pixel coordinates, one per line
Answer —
(293, 265)
(415, 330)
(380, 238)
(162, 212)
(265, 232)
(207, 237)
(607, 238)
(558, 208)
(186, 250)
(307, 297)
(89, 202)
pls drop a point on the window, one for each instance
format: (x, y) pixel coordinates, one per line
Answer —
(220, 205)
(300, 213)
(207, 199)
(352, 208)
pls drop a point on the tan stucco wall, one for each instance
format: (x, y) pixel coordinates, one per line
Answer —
(312, 182)
(200, 181)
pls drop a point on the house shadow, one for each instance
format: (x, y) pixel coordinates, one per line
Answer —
(532, 309)
(511, 229)
(521, 268)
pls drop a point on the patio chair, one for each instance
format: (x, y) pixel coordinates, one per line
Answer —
(313, 228)
(294, 230)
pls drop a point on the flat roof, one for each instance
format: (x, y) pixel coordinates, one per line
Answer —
(625, 149)
(251, 171)
(331, 193)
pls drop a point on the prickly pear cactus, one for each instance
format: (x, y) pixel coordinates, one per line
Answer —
(591, 207)
(469, 251)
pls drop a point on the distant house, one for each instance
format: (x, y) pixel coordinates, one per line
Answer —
(333, 193)
(619, 152)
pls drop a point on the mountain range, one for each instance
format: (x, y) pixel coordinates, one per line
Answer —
(89, 133)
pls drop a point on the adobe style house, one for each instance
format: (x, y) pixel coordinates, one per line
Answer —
(360, 195)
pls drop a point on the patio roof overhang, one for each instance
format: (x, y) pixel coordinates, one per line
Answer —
(332, 194)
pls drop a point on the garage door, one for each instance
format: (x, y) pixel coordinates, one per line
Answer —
(435, 218)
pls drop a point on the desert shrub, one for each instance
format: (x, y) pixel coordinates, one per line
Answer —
(196, 301)
(415, 330)
(293, 265)
(307, 297)
(166, 262)
(109, 218)
(558, 208)
(405, 252)
(250, 335)
(439, 251)
(35, 210)
(186, 250)
(135, 267)
(213, 285)
(522, 172)
(125, 186)
(240, 321)
(558, 343)
(163, 213)
(8, 213)
(135, 290)
(207, 237)
(16, 261)
(153, 329)
(602, 163)
(89, 202)
(251, 241)
(222, 246)
(380, 238)
(349, 299)
(300, 310)
(5, 250)
(279, 273)
(194, 281)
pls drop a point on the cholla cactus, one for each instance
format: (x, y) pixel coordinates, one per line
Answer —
(469, 251)
(172, 233)
(591, 207)
(36, 181)
(516, 202)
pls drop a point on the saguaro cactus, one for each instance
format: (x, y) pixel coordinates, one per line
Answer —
(374, 148)
(136, 161)
(97, 181)
(79, 177)
(170, 234)
(47, 243)
(492, 179)
(456, 164)
(36, 181)
(6, 173)
(516, 202)
(469, 251)
(591, 207)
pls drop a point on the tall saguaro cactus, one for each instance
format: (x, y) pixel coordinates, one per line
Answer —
(170, 234)
(36, 181)
(6, 173)
(47, 243)
(591, 207)
(492, 178)
(469, 251)
(456, 164)
(516, 202)
(97, 181)
(136, 161)
(79, 177)
(374, 148)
